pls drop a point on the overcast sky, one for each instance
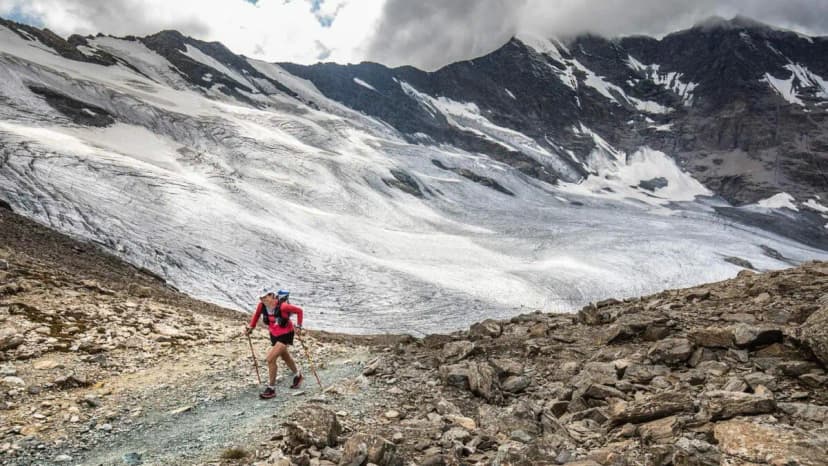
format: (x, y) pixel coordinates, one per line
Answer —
(423, 33)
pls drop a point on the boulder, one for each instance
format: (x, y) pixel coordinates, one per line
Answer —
(644, 373)
(671, 351)
(455, 351)
(515, 383)
(807, 411)
(362, 449)
(752, 336)
(648, 409)
(506, 367)
(489, 328)
(721, 404)
(455, 374)
(712, 337)
(765, 444)
(315, 426)
(659, 431)
(603, 392)
(815, 334)
(483, 381)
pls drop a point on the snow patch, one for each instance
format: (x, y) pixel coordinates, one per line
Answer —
(196, 54)
(613, 92)
(813, 204)
(364, 84)
(779, 201)
(620, 180)
(671, 81)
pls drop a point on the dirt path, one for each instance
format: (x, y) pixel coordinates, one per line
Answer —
(198, 433)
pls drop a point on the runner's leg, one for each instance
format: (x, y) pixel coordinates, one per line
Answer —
(289, 361)
(272, 357)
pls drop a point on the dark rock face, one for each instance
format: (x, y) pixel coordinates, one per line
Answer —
(79, 112)
(724, 112)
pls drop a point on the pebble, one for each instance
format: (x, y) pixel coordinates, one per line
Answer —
(10, 380)
(105, 427)
(392, 414)
(63, 458)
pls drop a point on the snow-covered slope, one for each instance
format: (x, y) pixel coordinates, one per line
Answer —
(254, 176)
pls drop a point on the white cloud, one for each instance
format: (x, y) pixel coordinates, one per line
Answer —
(423, 33)
(274, 30)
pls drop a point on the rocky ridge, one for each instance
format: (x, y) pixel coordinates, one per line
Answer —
(727, 373)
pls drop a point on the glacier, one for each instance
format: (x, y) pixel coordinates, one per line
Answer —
(219, 197)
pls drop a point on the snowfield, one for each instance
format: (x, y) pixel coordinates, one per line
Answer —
(221, 197)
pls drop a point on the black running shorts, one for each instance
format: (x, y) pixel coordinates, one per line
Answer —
(287, 339)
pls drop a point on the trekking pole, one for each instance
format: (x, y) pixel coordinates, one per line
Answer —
(310, 361)
(255, 363)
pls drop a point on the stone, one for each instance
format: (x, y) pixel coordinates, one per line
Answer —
(487, 329)
(45, 364)
(483, 381)
(455, 374)
(712, 337)
(315, 426)
(603, 392)
(515, 383)
(755, 379)
(520, 436)
(166, 330)
(455, 351)
(714, 368)
(765, 444)
(762, 298)
(659, 431)
(12, 381)
(651, 408)
(361, 449)
(132, 458)
(644, 373)
(373, 367)
(700, 355)
(814, 380)
(720, 404)
(9, 338)
(751, 336)
(63, 458)
(392, 414)
(462, 421)
(814, 334)
(807, 411)
(671, 351)
(455, 434)
(735, 384)
(506, 367)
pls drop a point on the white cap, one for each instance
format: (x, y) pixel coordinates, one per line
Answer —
(266, 290)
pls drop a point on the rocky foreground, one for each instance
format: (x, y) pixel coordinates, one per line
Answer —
(102, 363)
(727, 373)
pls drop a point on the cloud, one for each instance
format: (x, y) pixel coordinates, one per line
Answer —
(431, 33)
(424, 33)
(275, 30)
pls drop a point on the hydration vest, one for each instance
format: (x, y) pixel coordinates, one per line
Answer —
(281, 320)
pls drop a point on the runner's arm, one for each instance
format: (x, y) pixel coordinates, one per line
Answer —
(294, 310)
(256, 315)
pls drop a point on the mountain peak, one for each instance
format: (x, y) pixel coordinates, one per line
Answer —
(737, 22)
